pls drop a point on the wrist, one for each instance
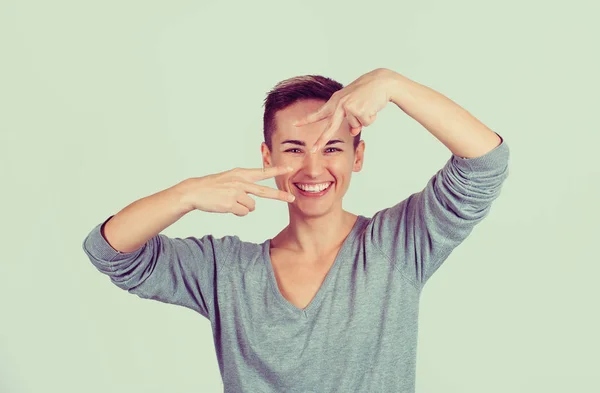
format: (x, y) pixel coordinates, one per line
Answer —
(181, 196)
(398, 87)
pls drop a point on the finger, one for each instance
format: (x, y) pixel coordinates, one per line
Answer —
(239, 210)
(372, 118)
(355, 124)
(268, 192)
(353, 121)
(320, 114)
(247, 201)
(257, 174)
(367, 120)
(336, 122)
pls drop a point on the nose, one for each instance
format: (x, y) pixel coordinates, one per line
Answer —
(314, 164)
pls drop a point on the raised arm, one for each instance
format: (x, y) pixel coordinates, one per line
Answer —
(419, 233)
(129, 249)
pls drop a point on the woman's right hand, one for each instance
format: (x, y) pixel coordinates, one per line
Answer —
(227, 192)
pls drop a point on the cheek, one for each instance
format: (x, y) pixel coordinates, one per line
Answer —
(341, 167)
(282, 182)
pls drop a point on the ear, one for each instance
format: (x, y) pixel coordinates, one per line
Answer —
(359, 156)
(266, 155)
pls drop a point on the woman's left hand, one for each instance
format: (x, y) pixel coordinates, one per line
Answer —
(359, 102)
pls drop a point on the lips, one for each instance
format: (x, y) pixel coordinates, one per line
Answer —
(313, 194)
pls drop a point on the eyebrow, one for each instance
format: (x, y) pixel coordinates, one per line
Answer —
(302, 143)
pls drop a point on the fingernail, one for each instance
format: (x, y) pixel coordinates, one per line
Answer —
(314, 148)
(291, 198)
(289, 168)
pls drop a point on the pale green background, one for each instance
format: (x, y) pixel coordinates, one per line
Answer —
(103, 103)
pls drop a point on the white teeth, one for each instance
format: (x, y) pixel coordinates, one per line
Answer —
(313, 188)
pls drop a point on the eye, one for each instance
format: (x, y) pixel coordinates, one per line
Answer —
(329, 150)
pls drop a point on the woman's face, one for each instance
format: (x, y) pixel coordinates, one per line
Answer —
(319, 180)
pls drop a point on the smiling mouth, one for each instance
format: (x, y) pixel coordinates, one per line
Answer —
(317, 191)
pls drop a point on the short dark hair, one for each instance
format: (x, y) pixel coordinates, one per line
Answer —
(292, 90)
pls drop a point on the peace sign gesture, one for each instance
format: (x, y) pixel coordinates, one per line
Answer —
(359, 102)
(227, 192)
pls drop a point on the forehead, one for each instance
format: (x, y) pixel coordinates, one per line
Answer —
(285, 118)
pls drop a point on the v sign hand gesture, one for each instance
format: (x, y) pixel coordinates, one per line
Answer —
(359, 102)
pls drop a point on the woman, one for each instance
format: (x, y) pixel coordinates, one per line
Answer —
(331, 302)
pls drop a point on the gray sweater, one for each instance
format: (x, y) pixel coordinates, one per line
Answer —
(359, 333)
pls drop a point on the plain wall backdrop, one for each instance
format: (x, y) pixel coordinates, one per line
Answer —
(104, 103)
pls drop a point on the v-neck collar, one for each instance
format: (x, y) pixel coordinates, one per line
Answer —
(341, 255)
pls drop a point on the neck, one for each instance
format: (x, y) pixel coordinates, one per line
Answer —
(315, 235)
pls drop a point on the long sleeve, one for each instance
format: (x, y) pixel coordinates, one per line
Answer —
(419, 233)
(170, 270)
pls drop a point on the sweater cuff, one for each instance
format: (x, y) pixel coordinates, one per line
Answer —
(97, 246)
(495, 158)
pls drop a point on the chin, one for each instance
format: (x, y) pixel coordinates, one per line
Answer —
(314, 211)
